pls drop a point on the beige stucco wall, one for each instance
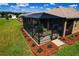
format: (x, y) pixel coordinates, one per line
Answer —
(75, 27)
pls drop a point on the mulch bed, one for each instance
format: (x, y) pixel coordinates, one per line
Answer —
(69, 40)
(77, 35)
(41, 50)
(46, 49)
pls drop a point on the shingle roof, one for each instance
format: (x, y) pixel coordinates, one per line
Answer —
(29, 13)
(40, 15)
(64, 12)
(78, 13)
(34, 15)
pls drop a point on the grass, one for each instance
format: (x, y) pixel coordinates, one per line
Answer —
(72, 50)
(12, 42)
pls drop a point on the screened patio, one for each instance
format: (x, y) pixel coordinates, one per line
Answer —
(43, 27)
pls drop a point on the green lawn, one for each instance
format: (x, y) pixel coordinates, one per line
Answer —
(72, 50)
(12, 42)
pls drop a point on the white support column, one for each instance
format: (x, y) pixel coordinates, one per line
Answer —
(48, 25)
(65, 24)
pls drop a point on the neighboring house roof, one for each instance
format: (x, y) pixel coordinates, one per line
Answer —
(64, 12)
(61, 12)
(11, 14)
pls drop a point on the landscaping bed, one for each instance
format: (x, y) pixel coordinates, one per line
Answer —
(71, 39)
(68, 40)
(77, 35)
(41, 50)
(45, 49)
(74, 36)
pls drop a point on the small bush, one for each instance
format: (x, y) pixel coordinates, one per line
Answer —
(72, 36)
(76, 35)
(39, 50)
(25, 36)
(29, 39)
(49, 46)
(33, 45)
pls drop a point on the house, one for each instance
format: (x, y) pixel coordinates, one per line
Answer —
(0, 15)
(13, 16)
(52, 24)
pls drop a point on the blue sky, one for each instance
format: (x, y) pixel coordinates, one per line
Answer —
(30, 7)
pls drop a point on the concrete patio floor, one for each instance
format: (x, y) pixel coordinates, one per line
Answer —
(58, 42)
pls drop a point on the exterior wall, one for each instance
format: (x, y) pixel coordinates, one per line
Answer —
(13, 16)
(75, 27)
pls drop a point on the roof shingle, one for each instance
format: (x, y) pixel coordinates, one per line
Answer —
(64, 12)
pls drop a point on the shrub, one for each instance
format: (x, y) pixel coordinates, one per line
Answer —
(49, 46)
(33, 45)
(72, 36)
(29, 39)
(25, 36)
(76, 35)
(39, 50)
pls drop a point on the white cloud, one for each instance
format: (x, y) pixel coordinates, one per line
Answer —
(23, 10)
(48, 8)
(15, 7)
(52, 3)
(60, 6)
(3, 3)
(12, 6)
(73, 5)
(35, 6)
(46, 4)
(41, 7)
(32, 6)
(23, 4)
